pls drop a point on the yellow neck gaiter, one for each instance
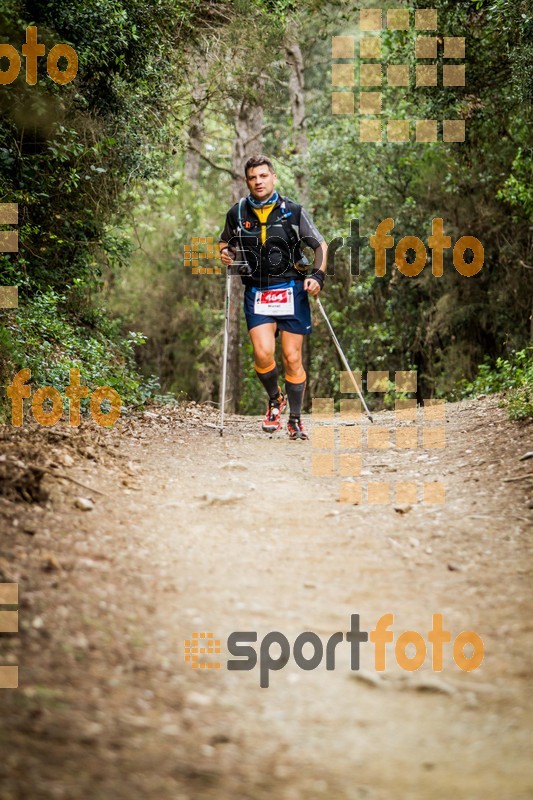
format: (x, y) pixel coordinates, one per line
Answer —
(262, 216)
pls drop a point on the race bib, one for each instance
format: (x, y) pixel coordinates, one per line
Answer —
(275, 302)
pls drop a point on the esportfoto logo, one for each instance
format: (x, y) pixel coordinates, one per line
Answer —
(32, 50)
(467, 253)
(364, 83)
(203, 644)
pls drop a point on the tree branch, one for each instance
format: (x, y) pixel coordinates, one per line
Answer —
(215, 166)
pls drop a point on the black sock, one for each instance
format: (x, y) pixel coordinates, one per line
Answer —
(270, 381)
(295, 396)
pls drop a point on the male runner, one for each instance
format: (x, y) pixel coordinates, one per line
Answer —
(266, 230)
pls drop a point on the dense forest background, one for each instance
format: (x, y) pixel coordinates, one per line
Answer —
(117, 171)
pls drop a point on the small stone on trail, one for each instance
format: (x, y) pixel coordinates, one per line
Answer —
(84, 504)
(81, 642)
(220, 738)
(171, 730)
(50, 563)
(90, 731)
(432, 685)
(454, 568)
(402, 509)
(30, 530)
(198, 699)
(221, 500)
(471, 701)
(365, 676)
(131, 485)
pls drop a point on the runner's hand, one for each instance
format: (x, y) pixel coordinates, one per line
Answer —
(312, 286)
(227, 257)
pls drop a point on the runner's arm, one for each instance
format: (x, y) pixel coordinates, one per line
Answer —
(226, 247)
(311, 236)
(321, 257)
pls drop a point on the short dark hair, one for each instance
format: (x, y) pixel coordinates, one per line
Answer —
(257, 161)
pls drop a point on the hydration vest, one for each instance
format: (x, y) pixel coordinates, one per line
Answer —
(274, 260)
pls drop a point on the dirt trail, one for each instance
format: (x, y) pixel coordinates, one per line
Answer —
(201, 533)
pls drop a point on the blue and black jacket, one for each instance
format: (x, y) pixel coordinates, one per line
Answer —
(287, 228)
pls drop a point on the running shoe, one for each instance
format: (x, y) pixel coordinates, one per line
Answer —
(296, 429)
(272, 419)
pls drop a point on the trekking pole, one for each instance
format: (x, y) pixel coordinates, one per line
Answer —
(343, 359)
(225, 356)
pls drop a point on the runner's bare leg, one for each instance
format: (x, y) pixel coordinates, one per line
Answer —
(295, 380)
(291, 350)
(264, 344)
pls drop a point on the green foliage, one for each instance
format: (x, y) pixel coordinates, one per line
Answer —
(181, 314)
(443, 326)
(517, 190)
(44, 337)
(99, 173)
(69, 156)
(513, 377)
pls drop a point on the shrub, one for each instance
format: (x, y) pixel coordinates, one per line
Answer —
(513, 377)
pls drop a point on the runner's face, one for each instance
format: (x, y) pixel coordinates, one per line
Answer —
(261, 182)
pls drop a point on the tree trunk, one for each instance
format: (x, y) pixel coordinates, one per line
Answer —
(196, 123)
(300, 144)
(248, 129)
(194, 146)
(294, 58)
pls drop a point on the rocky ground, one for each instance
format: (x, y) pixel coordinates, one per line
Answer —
(125, 542)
